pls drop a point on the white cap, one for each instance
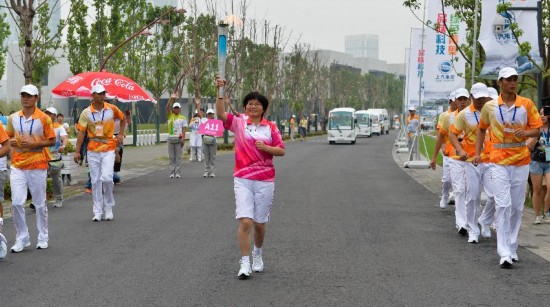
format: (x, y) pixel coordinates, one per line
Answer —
(462, 92)
(452, 96)
(412, 108)
(396, 115)
(98, 88)
(507, 72)
(493, 93)
(176, 105)
(29, 89)
(52, 110)
(293, 115)
(479, 90)
(210, 111)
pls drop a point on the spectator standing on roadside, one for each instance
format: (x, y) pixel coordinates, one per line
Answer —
(195, 139)
(256, 142)
(209, 148)
(539, 168)
(98, 122)
(292, 127)
(303, 128)
(4, 151)
(177, 125)
(61, 139)
(30, 131)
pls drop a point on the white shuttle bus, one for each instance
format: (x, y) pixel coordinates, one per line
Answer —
(341, 126)
(364, 123)
(380, 121)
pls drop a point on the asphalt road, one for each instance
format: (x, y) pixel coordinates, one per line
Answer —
(348, 228)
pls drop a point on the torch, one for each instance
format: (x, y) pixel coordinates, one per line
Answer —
(223, 30)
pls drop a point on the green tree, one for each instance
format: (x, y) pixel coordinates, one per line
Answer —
(465, 11)
(4, 33)
(79, 39)
(40, 49)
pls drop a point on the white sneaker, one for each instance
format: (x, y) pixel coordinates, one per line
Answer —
(473, 239)
(514, 257)
(257, 263)
(58, 204)
(20, 245)
(97, 218)
(108, 213)
(3, 246)
(42, 245)
(245, 271)
(442, 204)
(485, 231)
(178, 176)
(171, 175)
(212, 175)
(547, 218)
(538, 219)
(205, 174)
(506, 262)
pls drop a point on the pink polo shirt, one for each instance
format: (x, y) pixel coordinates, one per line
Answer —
(250, 162)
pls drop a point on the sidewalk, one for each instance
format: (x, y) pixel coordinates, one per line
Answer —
(535, 238)
(136, 162)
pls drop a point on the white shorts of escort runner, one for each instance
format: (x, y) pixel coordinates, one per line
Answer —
(254, 199)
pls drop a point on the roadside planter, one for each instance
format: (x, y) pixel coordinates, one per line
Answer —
(69, 166)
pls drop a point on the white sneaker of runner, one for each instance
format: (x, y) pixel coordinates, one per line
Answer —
(442, 204)
(257, 263)
(108, 213)
(20, 245)
(178, 176)
(205, 174)
(97, 218)
(171, 175)
(42, 245)
(58, 204)
(245, 271)
(3, 246)
(473, 239)
(485, 231)
(538, 219)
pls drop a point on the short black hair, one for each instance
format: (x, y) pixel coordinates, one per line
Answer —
(60, 114)
(256, 96)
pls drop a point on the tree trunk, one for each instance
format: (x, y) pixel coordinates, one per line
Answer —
(26, 14)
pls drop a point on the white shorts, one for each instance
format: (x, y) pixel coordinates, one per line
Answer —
(253, 199)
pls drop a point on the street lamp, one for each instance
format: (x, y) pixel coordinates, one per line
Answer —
(142, 31)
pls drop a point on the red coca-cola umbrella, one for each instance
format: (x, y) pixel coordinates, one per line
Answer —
(122, 88)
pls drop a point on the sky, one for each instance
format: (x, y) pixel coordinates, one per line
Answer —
(325, 23)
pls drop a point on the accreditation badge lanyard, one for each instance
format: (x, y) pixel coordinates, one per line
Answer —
(99, 125)
(508, 127)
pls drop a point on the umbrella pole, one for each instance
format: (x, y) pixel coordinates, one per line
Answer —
(134, 124)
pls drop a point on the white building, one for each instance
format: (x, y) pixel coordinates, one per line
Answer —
(362, 46)
(367, 65)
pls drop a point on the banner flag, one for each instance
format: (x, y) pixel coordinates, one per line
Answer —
(444, 65)
(499, 43)
(414, 68)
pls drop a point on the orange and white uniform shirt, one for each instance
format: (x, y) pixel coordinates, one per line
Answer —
(502, 121)
(443, 125)
(466, 122)
(38, 127)
(412, 124)
(100, 126)
(3, 135)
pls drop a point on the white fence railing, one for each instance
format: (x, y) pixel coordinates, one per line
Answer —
(146, 137)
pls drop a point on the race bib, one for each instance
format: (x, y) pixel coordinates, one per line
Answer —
(99, 130)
